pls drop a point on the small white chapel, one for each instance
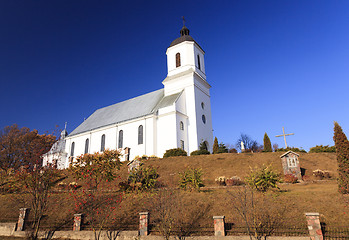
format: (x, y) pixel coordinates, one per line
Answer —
(176, 116)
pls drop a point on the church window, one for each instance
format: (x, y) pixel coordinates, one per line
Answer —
(182, 144)
(199, 67)
(72, 149)
(203, 119)
(140, 134)
(178, 59)
(103, 143)
(181, 125)
(86, 145)
(121, 133)
(203, 105)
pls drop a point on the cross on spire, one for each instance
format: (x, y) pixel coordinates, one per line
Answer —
(284, 135)
(183, 21)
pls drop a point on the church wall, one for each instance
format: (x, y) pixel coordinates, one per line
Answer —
(110, 139)
(204, 130)
(182, 117)
(202, 70)
(191, 121)
(187, 59)
(166, 132)
(178, 84)
(150, 136)
(130, 138)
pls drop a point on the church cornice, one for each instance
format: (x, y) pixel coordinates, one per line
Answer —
(185, 73)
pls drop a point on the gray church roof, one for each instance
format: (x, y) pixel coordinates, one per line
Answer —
(57, 147)
(130, 109)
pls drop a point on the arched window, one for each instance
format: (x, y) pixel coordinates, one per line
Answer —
(199, 67)
(72, 149)
(181, 125)
(203, 119)
(182, 144)
(203, 105)
(103, 143)
(140, 134)
(178, 59)
(86, 145)
(121, 133)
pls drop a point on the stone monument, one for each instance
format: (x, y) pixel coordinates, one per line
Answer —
(290, 164)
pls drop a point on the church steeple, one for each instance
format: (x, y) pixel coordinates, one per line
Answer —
(185, 54)
(184, 30)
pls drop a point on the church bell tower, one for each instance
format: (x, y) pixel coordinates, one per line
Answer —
(186, 73)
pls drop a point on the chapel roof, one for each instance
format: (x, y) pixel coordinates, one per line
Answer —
(184, 37)
(57, 147)
(127, 110)
(289, 153)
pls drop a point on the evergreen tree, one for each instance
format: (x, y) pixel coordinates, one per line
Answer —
(342, 151)
(266, 143)
(215, 146)
(222, 148)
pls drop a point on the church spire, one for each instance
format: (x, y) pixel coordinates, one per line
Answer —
(184, 30)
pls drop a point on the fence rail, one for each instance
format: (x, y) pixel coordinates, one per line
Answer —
(335, 233)
(231, 229)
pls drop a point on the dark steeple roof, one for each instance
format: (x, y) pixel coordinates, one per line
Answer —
(184, 37)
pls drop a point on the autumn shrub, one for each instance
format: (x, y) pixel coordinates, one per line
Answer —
(175, 152)
(221, 180)
(96, 168)
(233, 150)
(200, 152)
(234, 181)
(8, 183)
(191, 179)
(321, 148)
(319, 174)
(144, 178)
(290, 178)
(263, 179)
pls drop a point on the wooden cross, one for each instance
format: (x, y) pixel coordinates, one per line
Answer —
(284, 135)
(183, 21)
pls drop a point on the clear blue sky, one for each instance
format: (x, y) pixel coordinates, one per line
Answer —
(270, 63)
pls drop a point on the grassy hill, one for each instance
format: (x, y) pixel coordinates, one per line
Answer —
(228, 165)
(309, 196)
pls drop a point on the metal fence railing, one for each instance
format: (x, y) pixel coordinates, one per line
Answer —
(335, 233)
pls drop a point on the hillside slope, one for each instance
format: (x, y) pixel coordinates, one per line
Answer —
(228, 164)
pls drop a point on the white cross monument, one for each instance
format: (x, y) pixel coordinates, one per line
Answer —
(284, 135)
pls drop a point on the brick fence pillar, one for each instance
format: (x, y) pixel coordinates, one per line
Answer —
(77, 222)
(219, 230)
(23, 215)
(143, 223)
(313, 221)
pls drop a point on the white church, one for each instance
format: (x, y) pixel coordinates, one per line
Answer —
(176, 116)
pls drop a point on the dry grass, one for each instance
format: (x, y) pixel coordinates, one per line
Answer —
(228, 165)
(312, 196)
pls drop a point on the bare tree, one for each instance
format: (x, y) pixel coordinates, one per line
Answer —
(249, 143)
(38, 182)
(173, 216)
(260, 214)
